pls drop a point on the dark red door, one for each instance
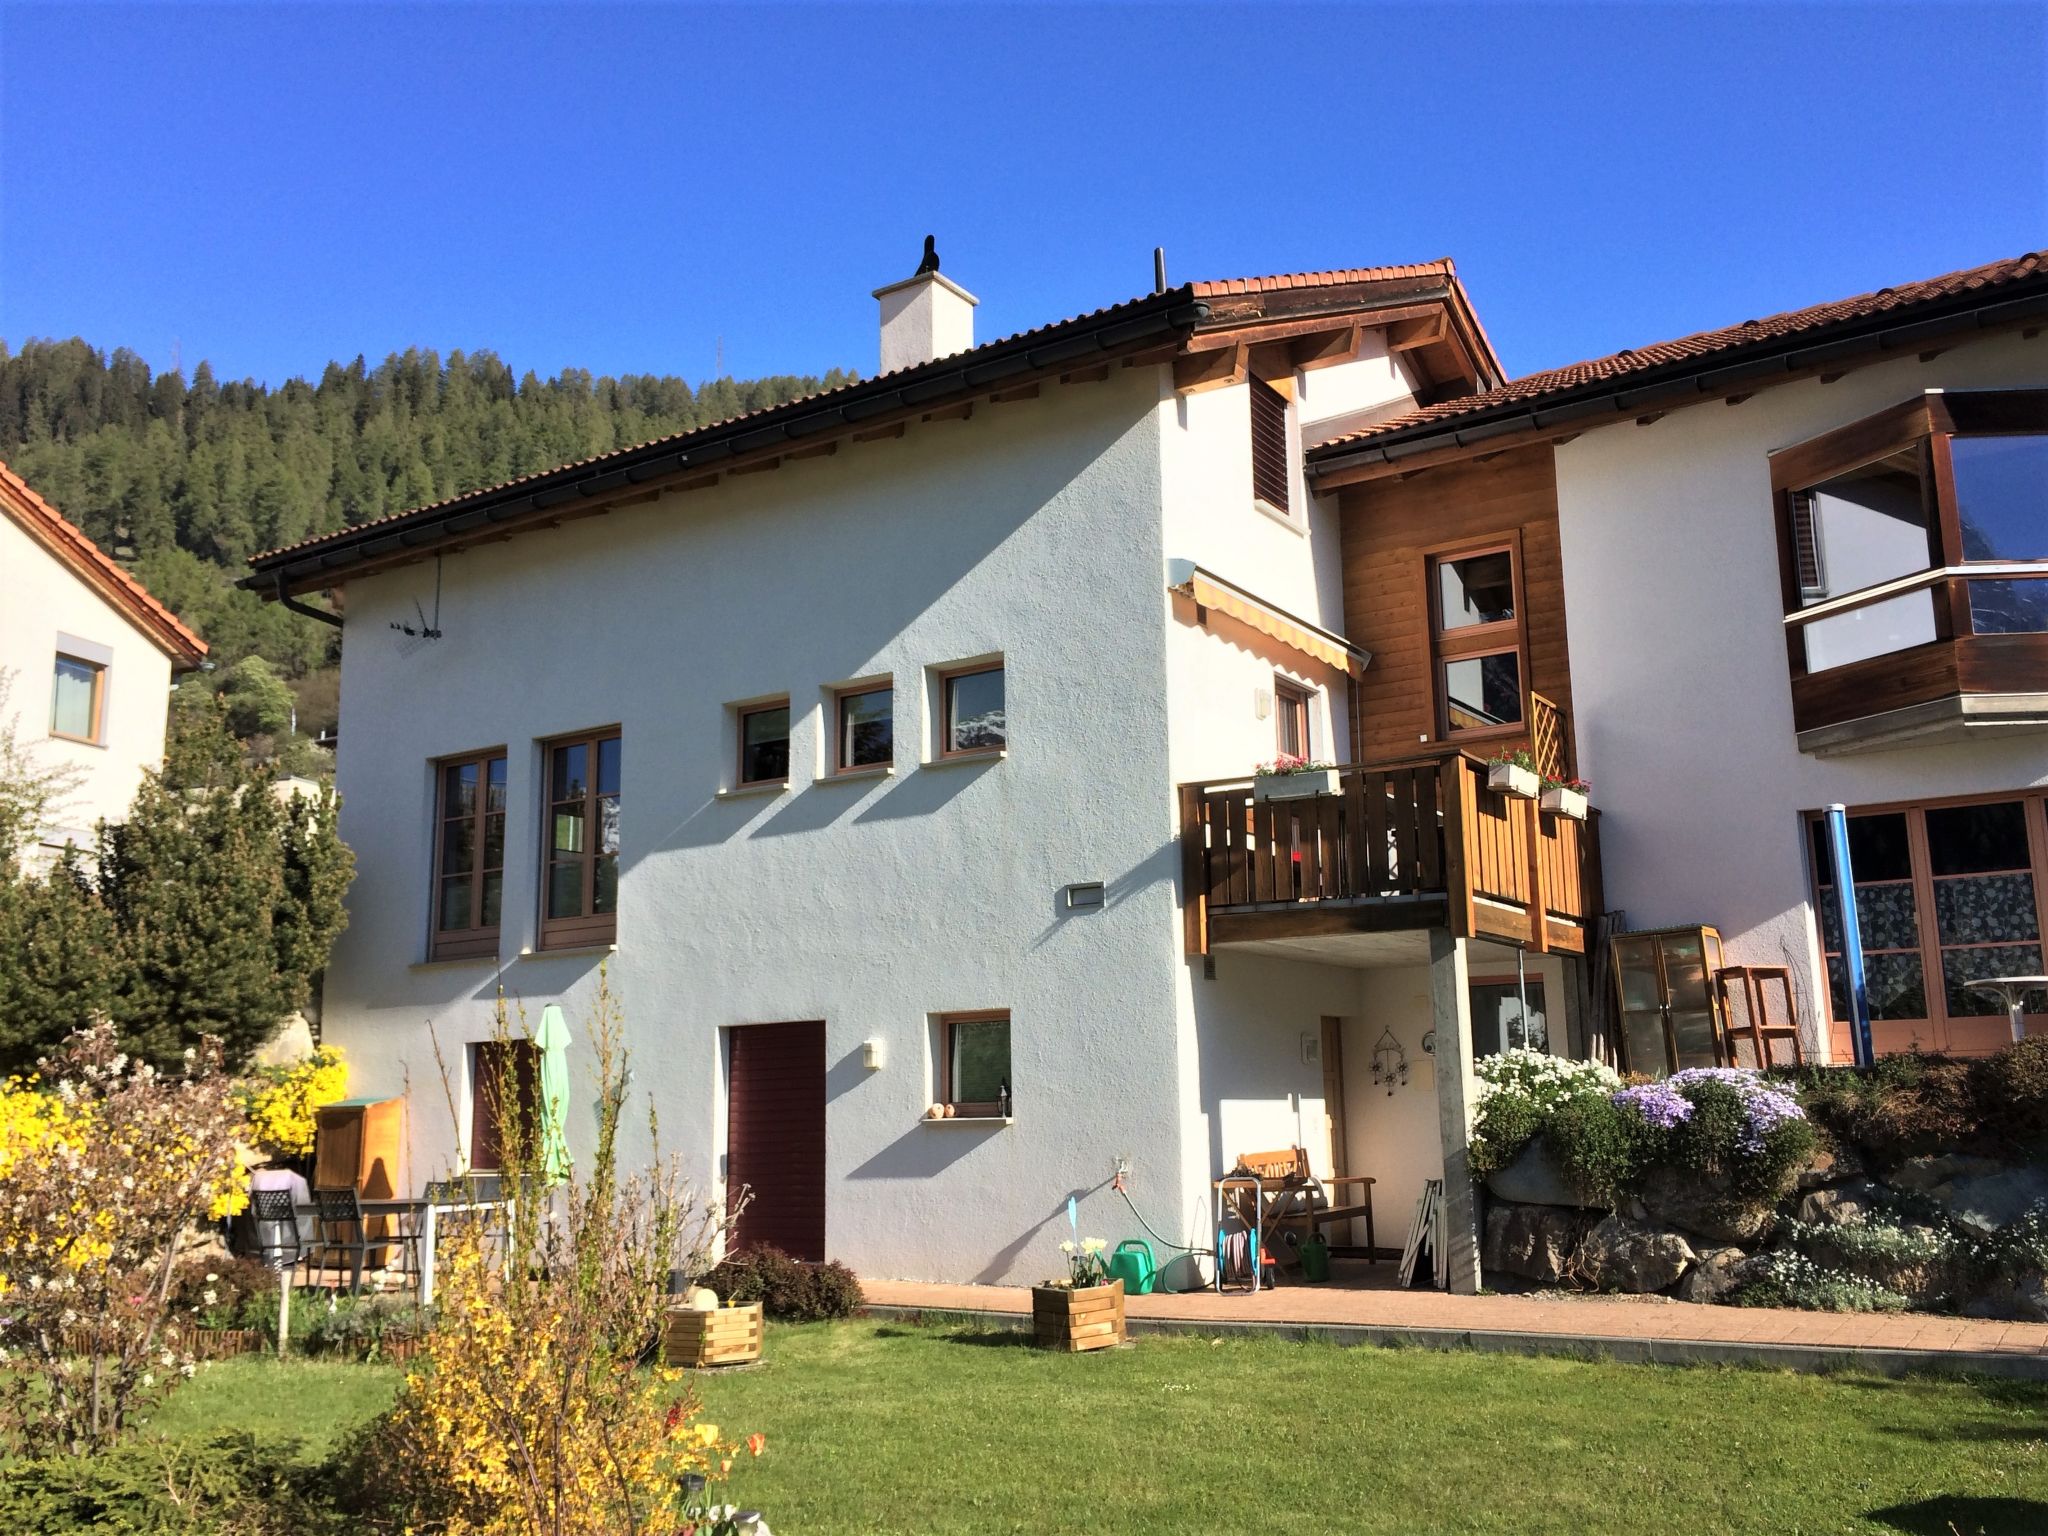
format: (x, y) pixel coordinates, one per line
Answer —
(775, 1136)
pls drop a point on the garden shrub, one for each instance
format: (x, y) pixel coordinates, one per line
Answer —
(282, 1103)
(231, 1485)
(1602, 1148)
(361, 1327)
(788, 1289)
(1909, 1105)
(230, 1292)
(2013, 1096)
(1792, 1280)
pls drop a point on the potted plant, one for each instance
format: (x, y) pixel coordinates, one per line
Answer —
(1293, 778)
(1514, 773)
(1567, 797)
(1082, 1309)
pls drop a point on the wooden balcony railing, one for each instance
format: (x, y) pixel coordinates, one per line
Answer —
(1418, 843)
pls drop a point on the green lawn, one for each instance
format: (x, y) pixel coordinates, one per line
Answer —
(879, 1428)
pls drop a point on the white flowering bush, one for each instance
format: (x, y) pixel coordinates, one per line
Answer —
(1520, 1091)
(104, 1163)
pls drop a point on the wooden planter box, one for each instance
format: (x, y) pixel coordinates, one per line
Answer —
(1078, 1320)
(728, 1336)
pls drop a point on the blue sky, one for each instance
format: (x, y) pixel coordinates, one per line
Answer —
(620, 188)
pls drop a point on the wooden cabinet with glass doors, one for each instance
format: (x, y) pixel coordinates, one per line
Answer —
(1664, 998)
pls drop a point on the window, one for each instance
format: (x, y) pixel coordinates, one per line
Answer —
(1499, 1021)
(1270, 479)
(501, 1070)
(867, 729)
(1946, 894)
(764, 743)
(1882, 520)
(580, 885)
(1477, 641)
(469, 867)
(78, 699)
(972, 701)
(974, 1063)
(1290, 718)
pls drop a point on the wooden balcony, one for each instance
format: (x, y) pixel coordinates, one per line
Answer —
(1417, 844)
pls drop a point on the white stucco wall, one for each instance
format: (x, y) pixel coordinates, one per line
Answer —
(40, 599)
(1032, 531)
(1679, 680)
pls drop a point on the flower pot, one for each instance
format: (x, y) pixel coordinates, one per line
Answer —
(1566, 802)
(728, 1336)
(1295, 786)
(1078, 1320)
(1513, 779)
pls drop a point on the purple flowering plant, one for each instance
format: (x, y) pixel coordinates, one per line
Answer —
(1658, 1105)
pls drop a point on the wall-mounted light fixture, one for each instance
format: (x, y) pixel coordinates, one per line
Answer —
(871, 1055)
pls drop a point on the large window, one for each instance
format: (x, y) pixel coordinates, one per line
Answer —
(78, 699)
(1270, 480)
(1946, 894)
(1923, 523)
(1477, 641)
(469, 861)
(580, 884)
(974, 1063)
(1501, 1022)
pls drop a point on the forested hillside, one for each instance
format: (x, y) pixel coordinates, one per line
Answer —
(184, 479)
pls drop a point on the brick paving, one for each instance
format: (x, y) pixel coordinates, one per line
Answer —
(1642, 1328)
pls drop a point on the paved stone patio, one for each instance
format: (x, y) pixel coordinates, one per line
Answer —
(1628, 1328)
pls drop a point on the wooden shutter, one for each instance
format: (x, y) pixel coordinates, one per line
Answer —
(486, 1114)
(1806, 551)
(1269, 444)
(775, 1136)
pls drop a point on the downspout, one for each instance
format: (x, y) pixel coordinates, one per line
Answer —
(294, 605)
(1852, 935)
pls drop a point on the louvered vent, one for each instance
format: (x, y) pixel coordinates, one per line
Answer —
(1806, 550)
(1269, 444)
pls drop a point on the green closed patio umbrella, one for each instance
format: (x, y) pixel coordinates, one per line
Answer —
(553, 1041)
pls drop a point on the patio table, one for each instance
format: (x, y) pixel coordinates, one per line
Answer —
(2012, 991)
(429, 1213)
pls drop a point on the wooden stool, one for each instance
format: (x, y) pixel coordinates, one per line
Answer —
(1757, 1020)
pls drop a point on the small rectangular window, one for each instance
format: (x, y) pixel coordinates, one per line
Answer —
(77, 699)
(1476, 634)
(469, 861)
(974, 1063)
(1290, 718)
(867, 729)
(1500, 1022)
(1270, 480)
(764, 743)
(580, 877)
(974, 716)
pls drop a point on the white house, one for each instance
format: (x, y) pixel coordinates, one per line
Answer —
(91, 656)
(892, 750)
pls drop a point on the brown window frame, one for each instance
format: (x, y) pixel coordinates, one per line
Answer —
(1293, 701)
(1272, 483)
(98, 669)
(589, 928)
(1928, 423)
(479, 939)
(743, 714)
(1500, 638)
(971, 1109)
(486, 1140)
(1991, 1030)
(840, 696)
(947, 678)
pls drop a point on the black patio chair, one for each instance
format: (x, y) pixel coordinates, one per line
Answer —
(340, 1230)
(276, 1219)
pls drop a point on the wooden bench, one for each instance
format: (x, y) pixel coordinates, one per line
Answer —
(1290, 1190)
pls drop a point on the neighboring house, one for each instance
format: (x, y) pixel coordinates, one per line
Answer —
(892, 749)
(92, 656)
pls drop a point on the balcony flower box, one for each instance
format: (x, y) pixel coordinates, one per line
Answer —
(1066, 1318)
(1566, 801)
(1513, 779)
(1293, 778)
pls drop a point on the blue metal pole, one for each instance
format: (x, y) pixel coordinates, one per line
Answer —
(1852, 936)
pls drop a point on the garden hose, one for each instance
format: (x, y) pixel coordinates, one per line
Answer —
(1165, 1242)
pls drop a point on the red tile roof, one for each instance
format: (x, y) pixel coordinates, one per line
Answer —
(1689, 354)
(49, 528)
(1278, 282)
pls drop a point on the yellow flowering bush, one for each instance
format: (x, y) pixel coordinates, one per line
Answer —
(530, 1413)
(104, 1162)
(281, 1103)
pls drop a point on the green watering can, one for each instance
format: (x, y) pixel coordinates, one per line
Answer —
(1132, 1264)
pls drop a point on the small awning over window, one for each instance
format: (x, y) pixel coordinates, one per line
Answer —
(1211, 591)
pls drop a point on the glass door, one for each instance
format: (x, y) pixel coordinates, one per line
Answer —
(1640, 981)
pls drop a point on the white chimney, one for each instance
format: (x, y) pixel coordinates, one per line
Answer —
(925, 316)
